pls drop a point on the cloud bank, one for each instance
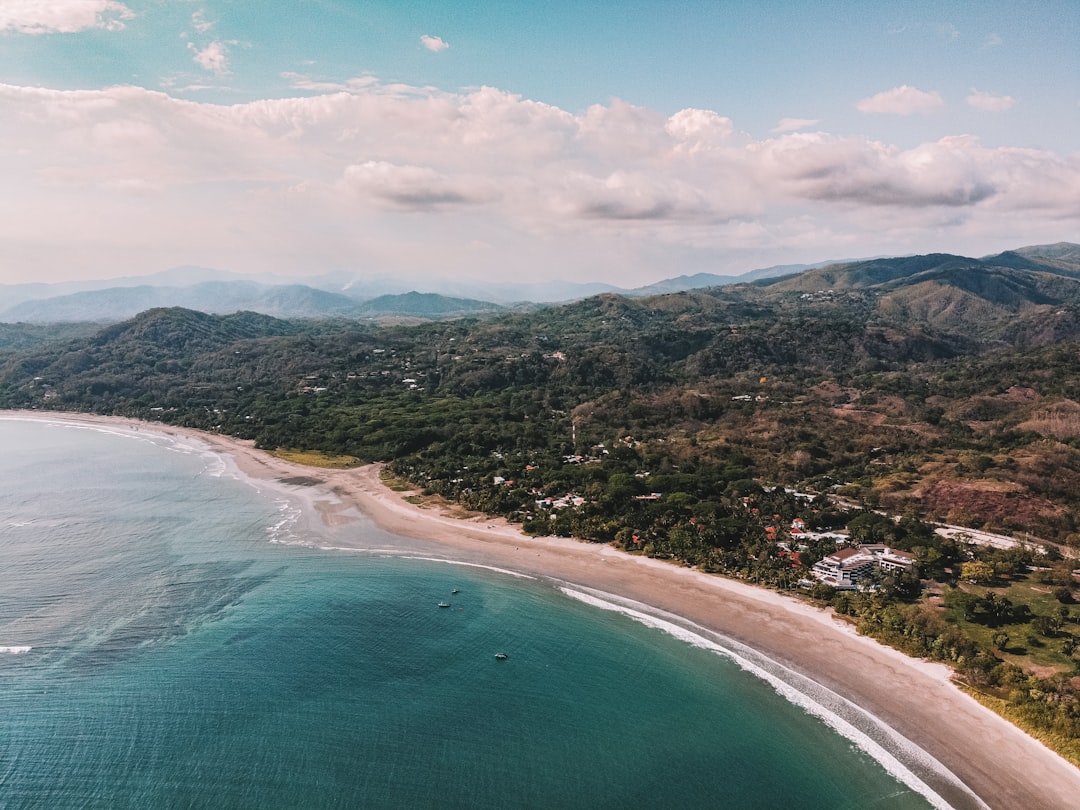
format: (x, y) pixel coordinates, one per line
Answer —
(62, 16)
(368, 174)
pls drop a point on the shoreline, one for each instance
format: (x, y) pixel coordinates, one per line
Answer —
(995, 760)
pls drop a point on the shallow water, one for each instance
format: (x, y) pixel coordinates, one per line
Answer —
(173, 636)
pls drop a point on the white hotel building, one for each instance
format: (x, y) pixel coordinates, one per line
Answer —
(844, 569)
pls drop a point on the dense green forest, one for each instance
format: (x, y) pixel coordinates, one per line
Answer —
(873, 398)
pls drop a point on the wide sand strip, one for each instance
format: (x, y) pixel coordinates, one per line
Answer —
(1004, 766)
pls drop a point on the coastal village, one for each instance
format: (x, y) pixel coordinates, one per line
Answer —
(850, 566)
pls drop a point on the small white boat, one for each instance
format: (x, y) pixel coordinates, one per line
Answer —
(444, 604)
(501, 656)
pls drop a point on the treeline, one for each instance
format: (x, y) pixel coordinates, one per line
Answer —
(821, 392)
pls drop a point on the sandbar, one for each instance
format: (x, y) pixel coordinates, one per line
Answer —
(1000, 764)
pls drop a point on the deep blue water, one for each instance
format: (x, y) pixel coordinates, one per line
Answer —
(191, 646)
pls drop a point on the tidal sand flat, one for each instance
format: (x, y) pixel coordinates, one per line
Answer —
(188, 617)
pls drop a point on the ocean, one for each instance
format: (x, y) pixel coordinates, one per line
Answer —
(175, 635)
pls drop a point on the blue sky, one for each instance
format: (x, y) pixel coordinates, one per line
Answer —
(617, 141)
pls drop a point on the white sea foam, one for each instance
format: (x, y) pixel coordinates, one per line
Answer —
(398, 554)
(215, 465)
(506, 571)
(388, 552)
(283, 530)
(73, 424)
(812, 697)
(153, 434)
(15, 650)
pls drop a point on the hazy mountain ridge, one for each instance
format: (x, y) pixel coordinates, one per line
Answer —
(937, 287)
(224, 297)
(216, 297)
(699, 281)
(117, 299)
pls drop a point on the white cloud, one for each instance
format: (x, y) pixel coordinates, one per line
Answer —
(406, 177)
(850, 170)
(409, 188)
(214, 57)
(992, 40)
(625, 195)
(62, 16)
(699, 126)
(300, 81)
(433, 44)
(199, 21)
(793, 125)
(988, 102)
(902, 100)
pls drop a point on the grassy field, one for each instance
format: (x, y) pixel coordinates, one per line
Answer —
(1026, 646)
(313, 458)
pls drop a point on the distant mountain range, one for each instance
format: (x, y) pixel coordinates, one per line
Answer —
(929, 287)
(223, 297)
(1024, 297)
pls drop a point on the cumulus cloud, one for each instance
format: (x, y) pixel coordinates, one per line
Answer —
(992, 40)
(793, 124)
(62, 16)
(300, 81)
(433, 44)
(824, 167)
(368, 169)
(418, 188)
(214, 57)
(988, 102)
(625, 195)
(199, 21)
(902, 100)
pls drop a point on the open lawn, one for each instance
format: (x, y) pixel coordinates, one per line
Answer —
(314, 458)
(1028, 641)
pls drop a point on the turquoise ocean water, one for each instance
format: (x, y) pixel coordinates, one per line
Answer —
(173, 636)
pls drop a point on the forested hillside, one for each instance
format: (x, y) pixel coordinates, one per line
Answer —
(887, 382)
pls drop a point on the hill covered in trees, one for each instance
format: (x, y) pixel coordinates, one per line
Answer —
(884, 377)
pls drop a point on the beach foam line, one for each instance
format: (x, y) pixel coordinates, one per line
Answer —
(154, 433)
(446, 561)
(396, 554)
(74, 422)
(16, 650)
(899, 756)
(389, 552)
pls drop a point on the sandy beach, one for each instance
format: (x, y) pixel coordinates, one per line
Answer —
(1000, 764)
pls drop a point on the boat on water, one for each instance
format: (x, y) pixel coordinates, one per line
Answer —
(444, 604)
(454, 591)
(501, 656)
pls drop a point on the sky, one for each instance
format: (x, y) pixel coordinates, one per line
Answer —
(623, 141)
